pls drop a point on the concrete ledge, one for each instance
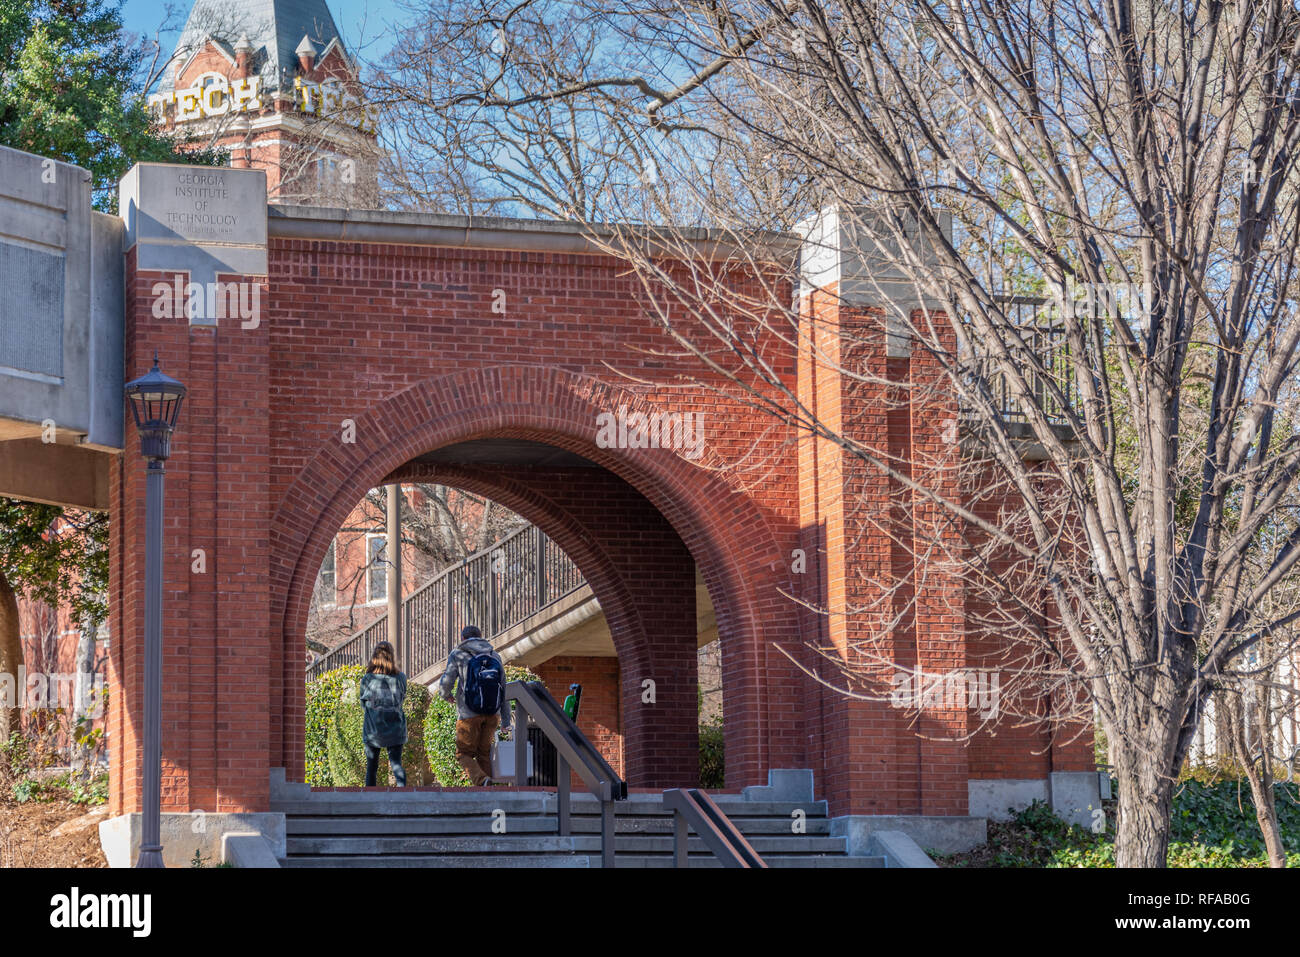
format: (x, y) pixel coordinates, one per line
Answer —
(1075, 795)
(782, 785)
(1072, 795)
(282, 789)
(898, 850)
(54, 473)
(247, 850)
(487, 232)
(185, 834)
(947, 835)
(999, 798)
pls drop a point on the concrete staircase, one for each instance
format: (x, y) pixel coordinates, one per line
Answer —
(460, 828)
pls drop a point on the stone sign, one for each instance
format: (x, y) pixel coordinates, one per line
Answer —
(195, 203)
(199, 220)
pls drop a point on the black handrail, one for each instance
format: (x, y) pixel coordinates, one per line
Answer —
(693, 809)
(573, 749)
(1044, 336)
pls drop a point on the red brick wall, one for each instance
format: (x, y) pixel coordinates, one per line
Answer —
(362, 332)
(223, 669)
(599, 716)
(1015, 745)
(889, 577)
(402, 341)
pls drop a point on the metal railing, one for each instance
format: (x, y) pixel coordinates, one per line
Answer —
(495, 588)
(573, 749)
(694, 810)
(1046, 342)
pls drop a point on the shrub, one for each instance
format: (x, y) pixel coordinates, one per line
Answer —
(1220, 814)
(713, 770)
(440, 734)
(1212, 824)
(322, 694)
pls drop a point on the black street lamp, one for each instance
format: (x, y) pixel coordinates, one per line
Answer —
(155, 405)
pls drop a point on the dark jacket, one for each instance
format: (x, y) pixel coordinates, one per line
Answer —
(385, 721)
(455, 674)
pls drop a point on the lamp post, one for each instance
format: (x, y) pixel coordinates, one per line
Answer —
(155, 405)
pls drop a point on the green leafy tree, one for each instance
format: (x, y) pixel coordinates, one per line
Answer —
(53, 555)
(69, 90)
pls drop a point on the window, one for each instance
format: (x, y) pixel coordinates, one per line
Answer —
(377, 572)
(329, 576)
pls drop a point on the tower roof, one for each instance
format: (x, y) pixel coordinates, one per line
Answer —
(275, 28)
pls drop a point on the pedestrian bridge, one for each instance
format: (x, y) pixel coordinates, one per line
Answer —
(61, 328)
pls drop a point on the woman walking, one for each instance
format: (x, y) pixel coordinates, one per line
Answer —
(383, 690)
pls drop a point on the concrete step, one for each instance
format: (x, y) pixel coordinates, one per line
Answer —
(731, 806)
(393, 826)
(816, 827)
(446, 860)
(300, 845)
(780, 861)
(367, 806)
(437, 844)
(410, 803)
(765, 846)
(481, 823)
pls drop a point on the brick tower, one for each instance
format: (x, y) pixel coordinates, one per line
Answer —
(269, 84)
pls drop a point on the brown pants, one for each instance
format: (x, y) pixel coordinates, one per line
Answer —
(474, 738)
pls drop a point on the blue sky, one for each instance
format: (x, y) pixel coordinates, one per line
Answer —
(361, 21)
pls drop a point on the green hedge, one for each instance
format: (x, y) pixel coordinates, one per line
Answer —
(333, 729)
(1212, 824)
(333, 724)
(713, 766)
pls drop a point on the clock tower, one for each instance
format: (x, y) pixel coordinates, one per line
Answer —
(270, 84)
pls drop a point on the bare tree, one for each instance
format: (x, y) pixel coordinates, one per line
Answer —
(1131, 164)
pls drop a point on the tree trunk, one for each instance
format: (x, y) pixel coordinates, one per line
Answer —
(1261, 793)
(1259, 776)
(1145, 798)
(84, 684)
(11, 659)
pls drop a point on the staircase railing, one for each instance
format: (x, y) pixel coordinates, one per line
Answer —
(694, 810)
(495, 588)
(573, 749)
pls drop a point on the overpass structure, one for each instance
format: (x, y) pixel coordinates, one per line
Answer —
(61, 327)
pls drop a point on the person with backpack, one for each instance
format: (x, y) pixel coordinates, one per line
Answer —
(478, 676)
(382, 692)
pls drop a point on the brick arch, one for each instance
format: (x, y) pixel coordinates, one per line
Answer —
(730, 538)
(670, 761)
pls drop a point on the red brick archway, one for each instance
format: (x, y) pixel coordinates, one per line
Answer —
(733, 543)
(427, 331)
(612, 695)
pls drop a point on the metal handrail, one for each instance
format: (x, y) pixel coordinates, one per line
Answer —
(495, 588)
(1043, 336)
(573, 749)
(693, 809)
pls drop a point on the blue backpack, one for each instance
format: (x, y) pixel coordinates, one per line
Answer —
(484, 684)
